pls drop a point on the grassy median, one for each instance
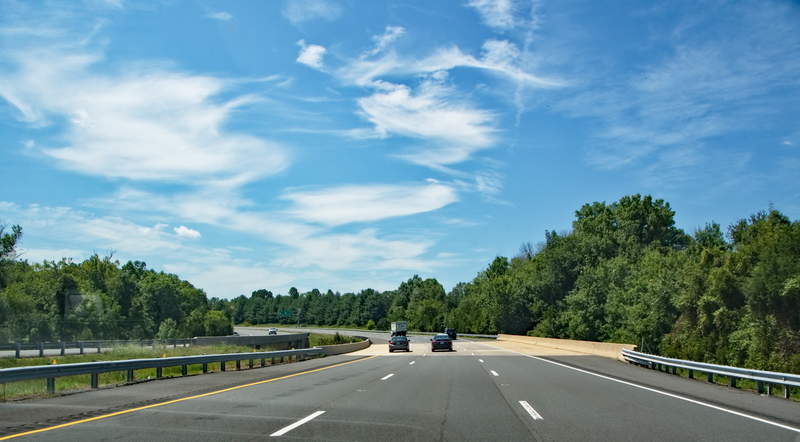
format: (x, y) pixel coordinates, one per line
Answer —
(38, 388)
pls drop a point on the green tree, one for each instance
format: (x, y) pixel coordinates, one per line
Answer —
(168, 329)
(216, 323)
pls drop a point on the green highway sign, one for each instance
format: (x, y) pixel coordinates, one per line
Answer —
(286, 313)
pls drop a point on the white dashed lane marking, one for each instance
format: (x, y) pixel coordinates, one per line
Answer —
(285, 430)
(536, 416)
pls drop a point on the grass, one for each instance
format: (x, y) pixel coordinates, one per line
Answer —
(744, 384)
(318, 339)
(38, 388)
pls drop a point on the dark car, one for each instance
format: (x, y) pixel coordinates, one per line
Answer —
(398, 343)
(441, 342)
(451, 332)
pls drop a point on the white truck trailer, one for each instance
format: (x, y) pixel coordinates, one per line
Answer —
(399, 328)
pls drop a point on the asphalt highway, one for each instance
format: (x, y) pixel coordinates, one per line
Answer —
(479, 392)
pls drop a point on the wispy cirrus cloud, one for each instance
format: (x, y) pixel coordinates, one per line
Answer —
(222, 16)
(363, 203)
(499, 57)
(298, 11)
(727, 69)
(382, 41)
(450, 129)
(150, 123)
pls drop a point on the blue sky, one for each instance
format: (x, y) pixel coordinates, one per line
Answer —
(347, 145)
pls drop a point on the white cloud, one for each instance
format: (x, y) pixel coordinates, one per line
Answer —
(298, 11)
(63, 228)
(382, 41)
(311, 55)
(457, 129)
(496, 13)
(306, 243)
(501, 58)
(187, 232)
(223, 16)
(342, 205)
(147, 124)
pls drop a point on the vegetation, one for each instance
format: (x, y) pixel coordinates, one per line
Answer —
(624, 273)
(16, 390)
(317, 339)
(99, 299)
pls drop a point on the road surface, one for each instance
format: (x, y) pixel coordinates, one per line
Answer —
(479, 392)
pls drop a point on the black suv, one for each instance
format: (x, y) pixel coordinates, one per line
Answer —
(451, 332)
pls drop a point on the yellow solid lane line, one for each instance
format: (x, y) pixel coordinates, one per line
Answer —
(176, 400)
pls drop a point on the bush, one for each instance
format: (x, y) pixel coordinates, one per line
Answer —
(217, 324)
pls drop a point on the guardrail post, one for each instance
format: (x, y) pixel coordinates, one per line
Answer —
(184, 370)
(63, 346)
(159, 372)
(263, 362)
(691, 374)
(238, 365)
(80, 347)
(760, 386)
(41, 349)
(732, 382)
(205, 367)
(769, 389)
(17, 348)
(786, 392)
(710, 377)
(222, 366)
(273, 361)
(130, 375)
(51, 385)
(99, 347)
(250, 364)
(94, 380)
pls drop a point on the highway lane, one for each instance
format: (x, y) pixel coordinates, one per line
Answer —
(474, 393)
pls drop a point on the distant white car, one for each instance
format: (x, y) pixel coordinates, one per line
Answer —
(273, 331)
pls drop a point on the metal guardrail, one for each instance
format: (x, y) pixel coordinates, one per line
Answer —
(51, 372)
(762, 378)
(81, 345)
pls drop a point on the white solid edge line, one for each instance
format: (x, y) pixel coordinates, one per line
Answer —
(411, 363)
(672, 395)
(387, 377)
(285, 430)
(536, 416)
(494, 372)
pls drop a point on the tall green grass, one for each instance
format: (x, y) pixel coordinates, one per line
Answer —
(38, 388)
(317, 339)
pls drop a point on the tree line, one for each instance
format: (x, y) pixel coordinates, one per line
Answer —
(98, 299)
(623, 273)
